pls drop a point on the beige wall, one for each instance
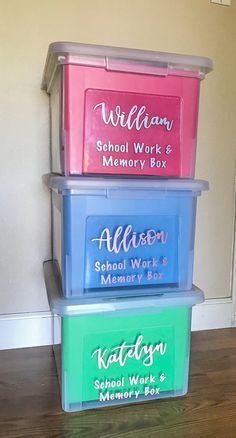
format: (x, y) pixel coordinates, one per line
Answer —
(185, 26)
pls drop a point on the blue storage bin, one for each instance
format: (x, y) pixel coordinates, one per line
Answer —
(122, 236)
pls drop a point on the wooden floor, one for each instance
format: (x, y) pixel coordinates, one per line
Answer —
(30, 400)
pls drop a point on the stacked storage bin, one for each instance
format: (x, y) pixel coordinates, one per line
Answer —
(123, 143)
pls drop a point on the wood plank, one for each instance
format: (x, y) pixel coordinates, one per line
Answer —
(30, 398)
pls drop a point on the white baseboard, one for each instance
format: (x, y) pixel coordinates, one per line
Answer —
(25, 330)
(213, 314)
(32, 330)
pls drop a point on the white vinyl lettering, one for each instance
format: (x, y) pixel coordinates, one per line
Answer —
(136, 118)
(120, 354)
(126, 238)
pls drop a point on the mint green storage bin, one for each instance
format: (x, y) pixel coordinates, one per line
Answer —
(121, 351)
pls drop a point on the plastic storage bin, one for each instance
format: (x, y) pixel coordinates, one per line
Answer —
(116, 236)
(123, 111)
(121, 351)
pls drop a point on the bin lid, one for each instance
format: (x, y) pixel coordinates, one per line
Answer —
(122, 59)
(74, 185)
(78, 306)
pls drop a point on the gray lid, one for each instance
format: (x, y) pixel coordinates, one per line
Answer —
(79, 184)
(77, 306)
(117, 57)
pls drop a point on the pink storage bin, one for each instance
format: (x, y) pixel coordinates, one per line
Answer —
(123, 111)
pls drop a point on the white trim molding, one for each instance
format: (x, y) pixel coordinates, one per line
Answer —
(213, 314)
(36, 329)
(25, 330)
